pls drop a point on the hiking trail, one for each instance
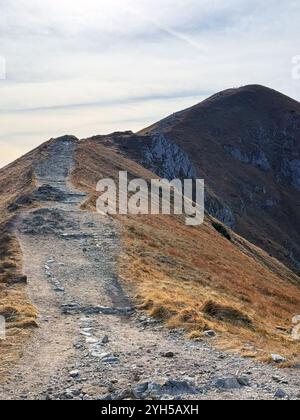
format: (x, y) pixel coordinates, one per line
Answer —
(91, 344)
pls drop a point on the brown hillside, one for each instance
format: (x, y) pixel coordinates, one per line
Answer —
(193, 277)
(245, 143)
(16, 184)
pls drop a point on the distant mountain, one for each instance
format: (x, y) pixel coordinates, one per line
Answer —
(245, 143)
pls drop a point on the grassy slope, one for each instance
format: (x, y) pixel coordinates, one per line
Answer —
(238, 117)
(193, 277)
(16, 180)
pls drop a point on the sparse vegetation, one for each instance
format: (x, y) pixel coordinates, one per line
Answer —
(212, 286)
(219, 227)
(226, 314)
(189, 278)
(15, 181)
(15, 307)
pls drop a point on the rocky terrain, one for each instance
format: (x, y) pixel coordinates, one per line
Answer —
(245, 144)
(91, 343)
(120, 308)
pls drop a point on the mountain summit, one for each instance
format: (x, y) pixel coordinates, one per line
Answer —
(245, 143)
(104, 285)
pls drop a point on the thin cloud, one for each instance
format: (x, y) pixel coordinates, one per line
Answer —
(90, 66)
(162, 27)
(119, 101)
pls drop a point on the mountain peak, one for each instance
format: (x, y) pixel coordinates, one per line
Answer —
(257, 94)
(66, 138)
(245, 143)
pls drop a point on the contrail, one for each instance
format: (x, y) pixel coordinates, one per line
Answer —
(176, 34)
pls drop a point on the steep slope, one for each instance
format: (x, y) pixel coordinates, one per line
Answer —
(176, 270)
(19, 191)
(192, 278)
(16, 185)
(245, 143)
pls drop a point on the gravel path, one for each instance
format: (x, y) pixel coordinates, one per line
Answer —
(91, 344)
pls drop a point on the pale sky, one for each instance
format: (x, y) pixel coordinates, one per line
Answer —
(87, 67)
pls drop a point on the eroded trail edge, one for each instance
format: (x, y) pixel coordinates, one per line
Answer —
(91, 344)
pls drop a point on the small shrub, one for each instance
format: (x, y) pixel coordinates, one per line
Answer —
(9, 313)
(188, 316)
(160, 312)
(226, 314)
(23, 324)
(222, 230)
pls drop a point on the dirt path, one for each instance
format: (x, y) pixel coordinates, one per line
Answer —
(91, 344)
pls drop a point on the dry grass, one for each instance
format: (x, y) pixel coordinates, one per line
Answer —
(16, 180)
(15, 307)
(203, 132)
(227, 314)
(194, 278)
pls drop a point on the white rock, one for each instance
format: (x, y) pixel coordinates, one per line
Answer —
(105, 355)
(210, 333)
(74, 373)
(86, 334)
(278, 359)
(91, 340)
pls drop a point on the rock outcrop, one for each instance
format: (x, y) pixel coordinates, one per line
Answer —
(245, 144)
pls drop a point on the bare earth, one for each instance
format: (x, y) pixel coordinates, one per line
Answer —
(91, 344)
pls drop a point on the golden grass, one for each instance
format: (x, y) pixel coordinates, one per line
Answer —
(20, 315)
(197, 280)
(191, 278)
(194, 278)
(16, 180)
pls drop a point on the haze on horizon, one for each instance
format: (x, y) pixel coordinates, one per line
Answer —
(88, 67)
